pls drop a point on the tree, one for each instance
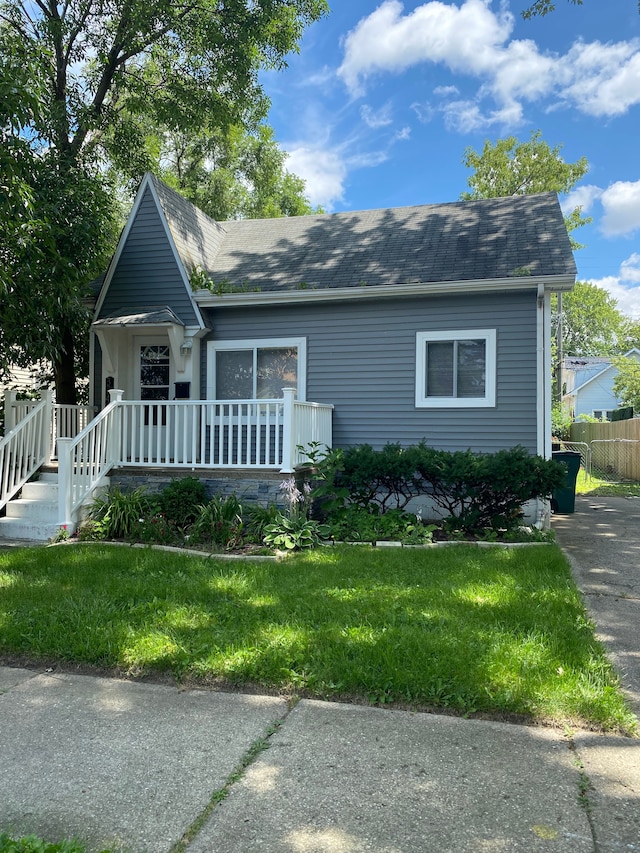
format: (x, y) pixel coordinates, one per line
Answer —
(511, 168)
(543, 7)
(626, 385)
(96, 69)
(592, 323)
(232, 173)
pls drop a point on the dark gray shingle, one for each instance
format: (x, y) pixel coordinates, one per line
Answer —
(462, 241)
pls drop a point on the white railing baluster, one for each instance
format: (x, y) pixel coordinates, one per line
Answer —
(24, 449)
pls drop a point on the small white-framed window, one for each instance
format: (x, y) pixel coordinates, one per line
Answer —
(456, 369)
(603, 414)
(256, 369)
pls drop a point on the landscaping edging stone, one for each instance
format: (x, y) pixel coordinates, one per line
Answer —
(173, 549)
(382, 543)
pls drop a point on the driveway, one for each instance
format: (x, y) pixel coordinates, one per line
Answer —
(602, 541)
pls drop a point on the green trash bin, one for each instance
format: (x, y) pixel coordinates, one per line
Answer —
(564, 498)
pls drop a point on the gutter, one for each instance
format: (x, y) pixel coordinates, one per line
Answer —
(548, 284)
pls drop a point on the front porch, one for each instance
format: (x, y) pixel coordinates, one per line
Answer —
(195, 435)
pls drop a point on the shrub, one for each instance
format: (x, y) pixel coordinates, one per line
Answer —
(181, 500)
(219, 522)
(121, 513)
(476, 492)
(561, 421)
(257, 518)
(360, 524)
(293, 533)
(383, 478)
(486, 491)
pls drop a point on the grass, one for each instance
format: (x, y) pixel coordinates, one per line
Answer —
(500, 632)
(33, 844)
(602, 488)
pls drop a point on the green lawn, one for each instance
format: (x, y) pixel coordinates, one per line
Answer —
(473, 630)
(601, 488)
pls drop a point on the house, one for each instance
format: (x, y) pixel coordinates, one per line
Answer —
(226, 347)
(588, 385)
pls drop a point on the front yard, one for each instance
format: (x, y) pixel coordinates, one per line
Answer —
(492, 631)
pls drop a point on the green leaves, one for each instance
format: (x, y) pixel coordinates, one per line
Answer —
(626, 385)
(292, 533)
(512, 168)
(82, 86)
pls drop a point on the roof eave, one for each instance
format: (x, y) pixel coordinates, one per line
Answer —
(551, 284)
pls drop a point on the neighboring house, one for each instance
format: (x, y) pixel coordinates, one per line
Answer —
(588, 385)
(427, 323)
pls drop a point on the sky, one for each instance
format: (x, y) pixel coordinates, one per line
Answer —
(380, 104)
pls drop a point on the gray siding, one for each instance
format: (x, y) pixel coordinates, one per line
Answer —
(361, 358)
(147, 273)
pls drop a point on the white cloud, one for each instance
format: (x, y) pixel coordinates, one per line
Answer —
(446, 91)
(323, 170)
(583, 197)
(621, 203)
(466, 116)
(424, 111)
(625, 287)
(402, 135)
(604, 78)
(630, 269)
(597, 79)
(464, 38)
(376, 118)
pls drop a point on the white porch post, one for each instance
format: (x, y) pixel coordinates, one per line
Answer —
(114, 438)
(9, 411)
(288, 448)
(65, 465)
(49, 432)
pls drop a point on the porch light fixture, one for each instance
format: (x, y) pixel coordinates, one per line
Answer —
(186, 346)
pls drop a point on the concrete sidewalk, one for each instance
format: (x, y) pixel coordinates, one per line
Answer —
(135, 766)
(602, 541)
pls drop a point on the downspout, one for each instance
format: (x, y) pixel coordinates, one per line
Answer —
(543, 404)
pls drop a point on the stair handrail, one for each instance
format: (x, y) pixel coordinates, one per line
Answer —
(25, 449)
(85, 461)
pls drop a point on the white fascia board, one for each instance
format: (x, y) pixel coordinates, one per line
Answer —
(176, 254)
(550, 284)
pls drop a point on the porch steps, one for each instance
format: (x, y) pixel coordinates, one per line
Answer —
(34, 514)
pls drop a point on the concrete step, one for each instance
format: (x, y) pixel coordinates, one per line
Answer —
(40, 490)
(30, 510)
(34, 514)
(17, 528)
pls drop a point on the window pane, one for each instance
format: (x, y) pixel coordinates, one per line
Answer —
(471, 368)
(439, 371)
(234, 375)
(277, 369)
(154, 372)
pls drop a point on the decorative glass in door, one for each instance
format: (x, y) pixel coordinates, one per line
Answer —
(155, 369)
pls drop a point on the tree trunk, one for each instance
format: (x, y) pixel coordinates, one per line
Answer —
(64, 370)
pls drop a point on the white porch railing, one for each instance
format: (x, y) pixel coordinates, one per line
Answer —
(253, 434)
(66, 420)
(85, 461)
(24, 449)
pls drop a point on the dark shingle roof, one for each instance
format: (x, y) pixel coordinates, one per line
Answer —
(462, 241)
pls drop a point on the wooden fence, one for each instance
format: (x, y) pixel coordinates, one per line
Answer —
(614, 447)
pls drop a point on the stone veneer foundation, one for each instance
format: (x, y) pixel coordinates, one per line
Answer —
(249, 486)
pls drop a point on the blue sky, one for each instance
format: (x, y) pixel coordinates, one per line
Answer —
(383, 99)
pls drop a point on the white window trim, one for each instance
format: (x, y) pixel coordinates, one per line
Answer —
(258, 343)
(489, 399)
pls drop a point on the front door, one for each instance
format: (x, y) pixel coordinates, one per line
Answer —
(153, 380)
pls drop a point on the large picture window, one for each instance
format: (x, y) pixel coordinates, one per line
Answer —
(256, 370)
(456, 369)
